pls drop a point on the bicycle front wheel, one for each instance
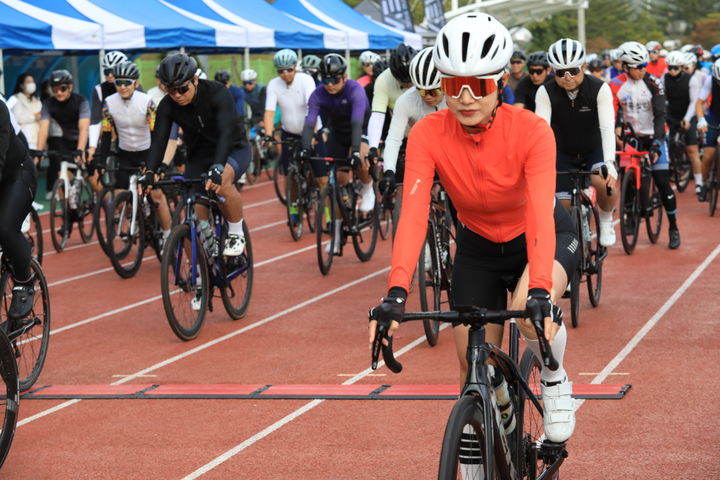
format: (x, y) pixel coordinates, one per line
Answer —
(325, 226)
(59, 224)
(365, 230)
(429, 284)
(294, 206)
(9, 396)
(238, 273)
(594, 258)
(101, 216)
(126, 237)
(35, 236)
(712, 193)
(463, 449)
(629, 212)
(185, 296)
(654, 214)
(85, 209)
(29, 336)
(278, 183)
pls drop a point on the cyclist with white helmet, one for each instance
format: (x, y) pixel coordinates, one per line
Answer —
(423, 98)
(657, 65)
(100, 93)
(254, 98)
(311, 66)
(497, 163)
(538, 73)
(223, 76)
(579, 108)
(616, 67)
(682, 90)
(388, 87)
(290, 91)
(367, 60)
(640, 102)
(707, 109)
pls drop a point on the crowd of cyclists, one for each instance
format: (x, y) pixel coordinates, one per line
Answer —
(492, 123)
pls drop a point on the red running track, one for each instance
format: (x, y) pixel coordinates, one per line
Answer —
(303, 328)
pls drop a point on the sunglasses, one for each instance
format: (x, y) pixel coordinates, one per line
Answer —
(107, 71)
(673, 67)
(479, 87)
(124, 82)
(284, 70)
(248, 82)
(639, 66)
(332, 80)
(181, 90)
(516, 62)
(60, 88)
(536, 71)
(567, 71)
(429, 93)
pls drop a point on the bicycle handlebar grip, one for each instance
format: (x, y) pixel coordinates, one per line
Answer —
(535, 314)
(389, 357)
(604, 173)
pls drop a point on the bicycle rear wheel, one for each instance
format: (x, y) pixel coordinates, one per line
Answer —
(9, 397)
(35, 235)
(463, 448)
(682, 171)
(654, 213)
(325, 225)
(29, 336)
(595, 253)
(60, 227)
(85, 209)
(253, 172)
(429, 284)
(124, 244)
(294, 206)
(101, 216)
(238, 273)
(629, 212)
(364, 229)
(185, 299)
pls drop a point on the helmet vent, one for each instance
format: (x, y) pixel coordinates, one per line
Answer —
(446, 46)
(465, 42)
(487, 45)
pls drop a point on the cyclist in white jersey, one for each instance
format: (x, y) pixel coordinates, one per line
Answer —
(131, 115)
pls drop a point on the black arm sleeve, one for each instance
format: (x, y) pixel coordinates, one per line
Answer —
(658, 105)
(160, 134)
(356, 135)
(224, 106)
(6, 130)
(105, 141)
(96, 109)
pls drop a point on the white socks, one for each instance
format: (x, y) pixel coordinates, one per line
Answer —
(698, 179)
(605, 216)
(236, 228)
(558, 351)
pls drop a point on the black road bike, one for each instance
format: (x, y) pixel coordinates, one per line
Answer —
(680, 165)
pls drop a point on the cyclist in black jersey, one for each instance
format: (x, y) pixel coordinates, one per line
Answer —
(538, 73)
(213, 134)
(18, 182)
(72, 114)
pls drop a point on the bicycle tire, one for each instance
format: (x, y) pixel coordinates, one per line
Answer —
(468, 410)
(653, 220)
(293, 194)
(60, 227)
(712, 194)
(629, 212)
(361, 222)
(30, 348)
(579, 269)
(9, 398)
(120, 245)
(279, 190)
(683, 172)
(594, 259)
(253, 172)
(311, 206)
(101, 216)
(238, 273)
(325, 228)
(35, 235)
(176, 248)
(430, 280)
(86, 207)
(385, 216)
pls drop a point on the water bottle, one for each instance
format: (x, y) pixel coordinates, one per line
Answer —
(586, 224)
(72, 196)
(207, 237)
(345, 198)
(507, 411)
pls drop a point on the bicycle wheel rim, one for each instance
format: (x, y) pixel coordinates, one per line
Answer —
(279, 189)
(594, 277)
(178, 290)
(126, 248)
(294, 201)
(429, 284)
(58, 217)
(238, 273)
(101, 216)
(325, 229)
(653, 223)
(629, 212)
(529, 417)
(9, 397)
(86, 206)
(463, 452)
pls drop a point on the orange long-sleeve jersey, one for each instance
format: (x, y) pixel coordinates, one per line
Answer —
(501, 181)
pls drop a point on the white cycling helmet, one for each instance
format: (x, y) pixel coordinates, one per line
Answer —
(716, 69)
(652, 45)
(248, 75)
(690, 58)
(113, 58)
(615, 54)
(423, 73)
(633, 53)
(566, 53)
(368, 57)
(472, 45)
(676, 58)
(285, 58)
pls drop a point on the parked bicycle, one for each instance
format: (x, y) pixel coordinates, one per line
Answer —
(193, 266)
(332, 232)
(680, 166)
(475, 445)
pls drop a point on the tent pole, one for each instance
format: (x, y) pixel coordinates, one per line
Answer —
(2, 72)
(100, 59)
(347, 55)
(299, 54)
(247, 58)
(182, 50)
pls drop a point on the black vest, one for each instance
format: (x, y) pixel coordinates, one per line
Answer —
(66, 114)
(107, 89)
(677, 92)
(715, 101)
(575, 122)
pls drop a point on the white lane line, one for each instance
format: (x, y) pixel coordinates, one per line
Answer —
(264, 202)
(292, 416)
(95, 272)
(630, 346)
(74, 247)
(214, 342)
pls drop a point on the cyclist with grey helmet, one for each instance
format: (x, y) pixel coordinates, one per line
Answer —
(254, 98)
(517, 69)
(311, 66)
(538, 73)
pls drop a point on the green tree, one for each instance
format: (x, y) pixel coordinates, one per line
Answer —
(707, 30)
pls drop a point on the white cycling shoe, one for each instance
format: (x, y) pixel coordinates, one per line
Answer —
(559, 411)
(368, 198)
(234, 245)
(607, 233)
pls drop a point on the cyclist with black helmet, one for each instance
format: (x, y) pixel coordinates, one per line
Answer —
(345, 103)
(130, 115)
(254, 99)
(517, 69)
(579, 108)
(71, 112)
(213, 134)
(596, 67)
(538, 73)
(367, 60)
(388, 87)
(223, 76)
(311, 66)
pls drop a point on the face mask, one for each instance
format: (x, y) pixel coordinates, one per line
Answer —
(30, 88)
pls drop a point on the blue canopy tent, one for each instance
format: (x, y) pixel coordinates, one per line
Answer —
(362, 33)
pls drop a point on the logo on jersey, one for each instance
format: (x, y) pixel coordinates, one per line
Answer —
(414, 188)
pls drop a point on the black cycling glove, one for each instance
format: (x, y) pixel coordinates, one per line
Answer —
(147, 178)
(372, 154)
(215, 174)
(387, 184)
(542, 297)
(355, 159)
(391, 309)
(162, 169)
(656, 149)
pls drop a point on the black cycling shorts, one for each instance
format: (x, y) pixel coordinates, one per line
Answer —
(129, 160)
(565, 161)
(238, 159)
(337, 146)
(484, 271)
